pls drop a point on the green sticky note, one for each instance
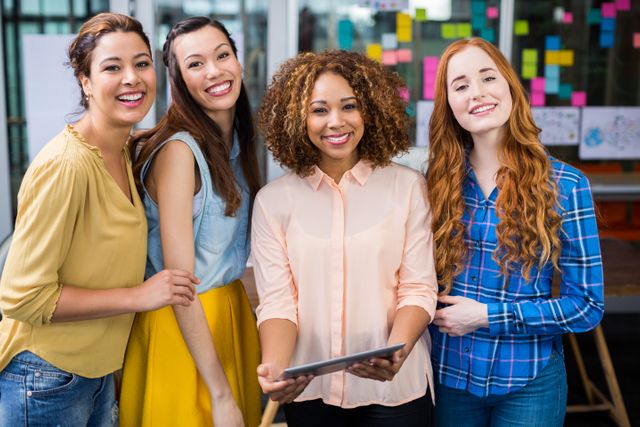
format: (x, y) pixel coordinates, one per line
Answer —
(448, 31)
(421, 14)
(594, 16)
(488, 34)
(521, 27)
(464, 30)
(529, 70)
(564, 91)
(530, 55)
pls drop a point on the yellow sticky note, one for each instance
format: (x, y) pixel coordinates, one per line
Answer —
(404, 34)
(374, 51)
(566, 58)
(421, 14)
(403, 20)
(552, 57)
(529, 70)
(403, 27)
(521, 27)
(529, 55)
(464, 30)
(448, 31)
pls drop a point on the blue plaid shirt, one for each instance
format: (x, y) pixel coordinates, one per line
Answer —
(525, 321)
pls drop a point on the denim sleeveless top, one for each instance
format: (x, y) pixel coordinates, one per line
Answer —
(221, 243)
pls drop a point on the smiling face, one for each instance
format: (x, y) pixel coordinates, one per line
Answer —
(210, 70)
(334, 122)
(478, 93)
(122, 82)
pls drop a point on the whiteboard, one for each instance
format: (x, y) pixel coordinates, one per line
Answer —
(560, 125)
(51, 91)
(423, 114)
(610, 133)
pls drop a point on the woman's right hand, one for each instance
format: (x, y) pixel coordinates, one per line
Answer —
(225, 412)
(282, 391)
(167, 287)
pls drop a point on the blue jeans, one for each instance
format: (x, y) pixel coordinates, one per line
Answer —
(541, 403)
(34, 393)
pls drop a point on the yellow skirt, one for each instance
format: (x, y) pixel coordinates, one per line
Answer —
(160, 381)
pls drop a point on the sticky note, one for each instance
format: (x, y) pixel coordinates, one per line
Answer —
(404, 94)
(430, 64)
(564, 91)
(537, 99)
(529, 70)
(552, 42)
(551, 86)
(448, 31)
(463, 30)
(537, 84)
(389, 57)
(345, 34)
(374, 51)
(606, 39)
(623, 4)
(579, 99)
(403, 20)
(529, 55)
(521, 27)
(636, 40)
(389, 41)
(608, 10)
(558, 14)
(567, 18)
(552, 71)
(478, 7)
(404, 55)
(492, 12)
(404, 34)
(428, 90)
(488, 34)
(566, 58)
(552, 57)
(594, 16)
(421, 14)
(478, 21)
(608, 24)
(403, 27)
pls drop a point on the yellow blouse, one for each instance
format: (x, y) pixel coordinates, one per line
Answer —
(74, 226)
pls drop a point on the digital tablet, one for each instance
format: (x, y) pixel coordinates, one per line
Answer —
(339, 363)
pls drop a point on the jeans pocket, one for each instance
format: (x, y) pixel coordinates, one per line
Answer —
(47, 381)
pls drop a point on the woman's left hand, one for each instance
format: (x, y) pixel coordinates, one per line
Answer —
(380, 369)
(461, 316)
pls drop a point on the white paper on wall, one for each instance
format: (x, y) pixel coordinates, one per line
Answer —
(610, 133)
(423, 114)
(560, 125)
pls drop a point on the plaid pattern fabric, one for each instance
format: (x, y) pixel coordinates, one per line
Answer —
(525, 321)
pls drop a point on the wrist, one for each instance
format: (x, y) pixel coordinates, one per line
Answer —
(132, 300)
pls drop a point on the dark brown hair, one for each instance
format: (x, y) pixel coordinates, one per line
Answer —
(283, 115)
(185, 114)
(82, 46)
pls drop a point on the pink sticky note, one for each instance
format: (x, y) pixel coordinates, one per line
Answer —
(428, 91)
(537, 99)
(430, 63)
(636, 40)
(405, 55)
(537, 85)
(492, 12)
(579, 99)
(623, 4)
(567, 18)
(389, 57)
(404, 94)
(608, 10)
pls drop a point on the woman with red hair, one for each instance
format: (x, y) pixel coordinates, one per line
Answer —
(506, 216)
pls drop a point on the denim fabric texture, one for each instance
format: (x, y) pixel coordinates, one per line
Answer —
(541, 403)
(221, 242)
(35, 393)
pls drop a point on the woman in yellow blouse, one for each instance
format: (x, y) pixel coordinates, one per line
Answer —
(72, 279)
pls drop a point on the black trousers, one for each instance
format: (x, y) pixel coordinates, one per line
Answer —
(312, 413)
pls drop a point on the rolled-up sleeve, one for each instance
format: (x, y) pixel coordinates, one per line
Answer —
(417, 284)
(274, 281)
(48, 205)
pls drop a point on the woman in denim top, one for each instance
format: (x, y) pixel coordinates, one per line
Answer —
(198, 171)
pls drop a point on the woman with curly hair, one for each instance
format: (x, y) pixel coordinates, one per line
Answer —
(341, 246)
(506, 215)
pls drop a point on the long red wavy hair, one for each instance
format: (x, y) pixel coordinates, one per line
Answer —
(527, 204)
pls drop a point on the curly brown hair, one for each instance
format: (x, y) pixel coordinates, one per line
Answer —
(283, 115)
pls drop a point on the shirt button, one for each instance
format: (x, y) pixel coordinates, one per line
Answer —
(29, 393)
(466, 349)
(474, 278)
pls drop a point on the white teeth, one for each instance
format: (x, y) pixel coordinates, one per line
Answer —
(130, 97)
(482, 109)
(336, 139)
(220, 88)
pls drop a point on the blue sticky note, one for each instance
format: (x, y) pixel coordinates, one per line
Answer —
(345, 34)
(551, 85)
(608, 24)
(552, 72)
(478, 7)
(564, 91)
(488, 34)
(478, 21)
(594, 16)
(552, 43)
(606, 39)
